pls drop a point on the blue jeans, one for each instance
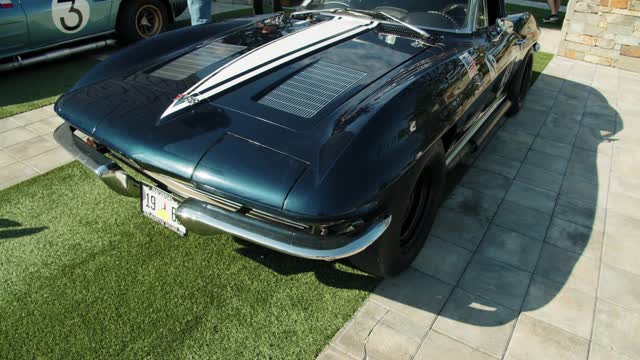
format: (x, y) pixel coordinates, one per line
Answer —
(200, 11)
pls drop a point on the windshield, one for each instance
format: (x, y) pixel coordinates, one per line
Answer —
(451, 15)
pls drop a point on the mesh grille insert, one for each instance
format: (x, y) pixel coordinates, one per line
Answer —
(306, 93)
(196, 60)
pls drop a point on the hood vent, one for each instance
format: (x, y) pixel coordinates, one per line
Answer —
(196, 60)
(310, 90)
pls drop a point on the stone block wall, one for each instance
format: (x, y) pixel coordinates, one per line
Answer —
(605, 32)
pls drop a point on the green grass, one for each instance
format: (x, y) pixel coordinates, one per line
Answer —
(39, 85)
(540, 62)
(539, 14)
(84, 275)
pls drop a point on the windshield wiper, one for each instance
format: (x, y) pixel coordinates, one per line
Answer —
(392, 18)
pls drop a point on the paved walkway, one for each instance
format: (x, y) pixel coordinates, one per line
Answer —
(27, 148)
(534, 254)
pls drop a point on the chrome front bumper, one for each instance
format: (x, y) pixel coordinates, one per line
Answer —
(200, 217)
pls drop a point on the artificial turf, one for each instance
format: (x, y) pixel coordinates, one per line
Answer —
(84, 275)
(39, 85)
(540, 62)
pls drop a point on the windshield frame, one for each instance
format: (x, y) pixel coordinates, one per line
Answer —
(468, 29)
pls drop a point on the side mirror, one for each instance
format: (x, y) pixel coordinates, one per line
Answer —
(505, 24)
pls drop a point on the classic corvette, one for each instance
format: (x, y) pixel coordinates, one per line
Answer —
(325, 134)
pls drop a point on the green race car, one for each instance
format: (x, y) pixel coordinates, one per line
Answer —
(32, 25)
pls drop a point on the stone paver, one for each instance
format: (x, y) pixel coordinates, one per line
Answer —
(27, 147)
(535, 339)
(539, 240)
(477, 322)
(617, 328)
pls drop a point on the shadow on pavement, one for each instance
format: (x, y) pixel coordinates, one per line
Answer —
(522, 220)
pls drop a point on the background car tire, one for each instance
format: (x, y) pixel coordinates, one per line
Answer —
(141, 19)
(260, 8)
(393, 252)
(519, 87)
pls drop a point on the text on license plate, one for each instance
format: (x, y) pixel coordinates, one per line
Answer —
(161, 207)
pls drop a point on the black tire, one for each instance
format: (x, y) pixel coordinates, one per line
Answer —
(410, 223)
(258, 6)
(141, 19)
(519, 87)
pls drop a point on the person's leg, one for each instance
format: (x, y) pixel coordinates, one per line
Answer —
(552, 6)
(200, 11)
(558, 6)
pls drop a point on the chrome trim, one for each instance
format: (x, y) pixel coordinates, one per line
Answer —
(469, 134)
(261, 215)
(188, 191)
(204, 219)
(106, 169)
(536, 47)
(21, 61)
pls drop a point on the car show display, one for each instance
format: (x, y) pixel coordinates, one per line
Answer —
(325, 133)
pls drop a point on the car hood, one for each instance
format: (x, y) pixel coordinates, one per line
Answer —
(263, 91)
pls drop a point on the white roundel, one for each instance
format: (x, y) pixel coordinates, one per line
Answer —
(70, 16)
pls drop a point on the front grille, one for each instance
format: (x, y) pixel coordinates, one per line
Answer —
(313, 88)
(185, 190)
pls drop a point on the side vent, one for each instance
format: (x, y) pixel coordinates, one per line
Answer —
(309, 91)
(196, 60)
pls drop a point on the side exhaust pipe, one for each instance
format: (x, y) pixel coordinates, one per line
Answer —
(55, 54)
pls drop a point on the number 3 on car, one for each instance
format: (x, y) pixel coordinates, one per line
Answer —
(161, 207)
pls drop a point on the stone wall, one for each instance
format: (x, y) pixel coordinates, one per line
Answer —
(604, 32)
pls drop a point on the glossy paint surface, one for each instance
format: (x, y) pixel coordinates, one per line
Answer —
(350, 158)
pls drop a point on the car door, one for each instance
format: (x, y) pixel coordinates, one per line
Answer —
(14, 34)
(55, 21)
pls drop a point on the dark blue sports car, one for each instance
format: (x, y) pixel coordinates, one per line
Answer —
(325, 134)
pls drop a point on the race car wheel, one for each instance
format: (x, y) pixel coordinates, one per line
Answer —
(262, 6)
(141, 19)
(519, 87)
(412, 214)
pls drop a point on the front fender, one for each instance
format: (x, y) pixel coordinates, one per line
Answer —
(526, 28)
(381, 160)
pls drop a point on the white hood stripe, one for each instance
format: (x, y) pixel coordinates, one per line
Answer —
(271, 55)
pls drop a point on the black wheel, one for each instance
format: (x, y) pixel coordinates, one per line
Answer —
(519, 87)
(141, 19)
(257, 7)
(262, 6)
(412, 216)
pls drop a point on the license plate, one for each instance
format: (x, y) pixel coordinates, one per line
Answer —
(161, 207)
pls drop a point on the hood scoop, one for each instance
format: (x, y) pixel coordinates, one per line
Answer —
(313, 88)
(189, 64)
(286, 49)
